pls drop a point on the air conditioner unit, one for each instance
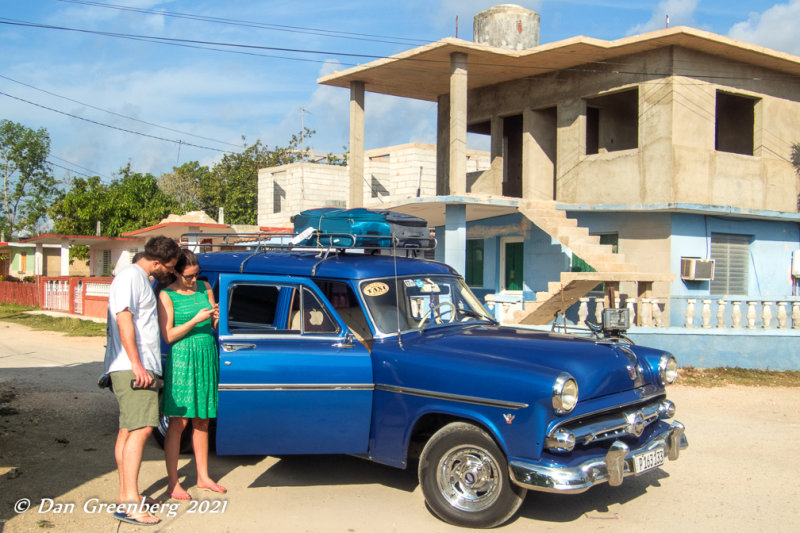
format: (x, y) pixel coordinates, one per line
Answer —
(696, 269)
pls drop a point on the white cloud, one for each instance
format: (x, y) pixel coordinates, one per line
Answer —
(774, 28)
(681, 13)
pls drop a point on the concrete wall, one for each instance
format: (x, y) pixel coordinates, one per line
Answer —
(676, 160)
(644, 239)
(390, 173)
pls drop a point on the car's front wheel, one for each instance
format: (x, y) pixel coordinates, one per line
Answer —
(464, 478)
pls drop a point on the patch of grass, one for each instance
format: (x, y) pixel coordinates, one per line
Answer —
(74, 327)
(719, 377)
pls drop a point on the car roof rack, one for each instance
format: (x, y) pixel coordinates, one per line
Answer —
(308, 240)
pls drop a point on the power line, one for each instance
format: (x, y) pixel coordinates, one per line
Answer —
(157, 39)
(93, 172)
(118, 114)
(250, 24)
(191, 43)
(116, 127)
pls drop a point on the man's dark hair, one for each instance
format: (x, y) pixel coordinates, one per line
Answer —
(162, 249)
(137, 256)
(186, 259)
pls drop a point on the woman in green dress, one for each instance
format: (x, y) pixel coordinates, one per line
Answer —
(187, 313)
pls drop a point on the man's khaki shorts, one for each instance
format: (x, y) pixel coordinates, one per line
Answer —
(137, 408)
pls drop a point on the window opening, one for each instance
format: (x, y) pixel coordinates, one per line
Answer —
(612, 122)
(735, 124)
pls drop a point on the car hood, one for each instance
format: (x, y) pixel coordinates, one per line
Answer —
(482, 355)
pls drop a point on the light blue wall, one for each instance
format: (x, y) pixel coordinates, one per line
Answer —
(769, 276)
(767, 350)
(770, 252)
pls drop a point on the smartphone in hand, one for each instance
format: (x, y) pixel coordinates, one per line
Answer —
(155, 385)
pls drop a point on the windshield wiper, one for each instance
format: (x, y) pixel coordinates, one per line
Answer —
(476, 314)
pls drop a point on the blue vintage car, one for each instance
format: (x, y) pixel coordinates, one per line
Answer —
(395, 360)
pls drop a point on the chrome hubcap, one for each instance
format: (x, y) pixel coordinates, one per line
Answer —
(469, 478)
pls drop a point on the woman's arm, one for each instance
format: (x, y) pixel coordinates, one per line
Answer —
(166, 319)
(214, 306)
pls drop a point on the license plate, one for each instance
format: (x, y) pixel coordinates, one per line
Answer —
(648, 460)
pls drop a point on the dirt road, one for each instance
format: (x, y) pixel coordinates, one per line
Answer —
(57, 431)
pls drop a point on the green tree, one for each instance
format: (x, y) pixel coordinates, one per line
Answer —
(130, 202)
(184, 184)
(28, 185)
(233, 182)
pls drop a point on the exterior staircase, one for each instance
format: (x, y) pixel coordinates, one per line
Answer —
(562, 294)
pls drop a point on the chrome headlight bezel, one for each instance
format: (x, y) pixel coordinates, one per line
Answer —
(565, 394)
(668, 369)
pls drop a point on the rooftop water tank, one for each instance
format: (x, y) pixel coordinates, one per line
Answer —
(507, 26)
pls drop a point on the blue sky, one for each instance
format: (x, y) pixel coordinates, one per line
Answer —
(210, 99)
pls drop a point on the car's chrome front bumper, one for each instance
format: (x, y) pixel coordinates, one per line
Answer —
(616, 464)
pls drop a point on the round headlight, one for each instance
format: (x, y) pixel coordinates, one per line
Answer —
(565, 394)
(668, 369)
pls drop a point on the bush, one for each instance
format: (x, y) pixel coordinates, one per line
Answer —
(29, 279)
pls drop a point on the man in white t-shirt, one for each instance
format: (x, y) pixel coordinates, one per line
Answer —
(133, 360)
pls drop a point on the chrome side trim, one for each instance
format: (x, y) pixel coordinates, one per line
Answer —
(452, 397)
(294, 337)
(304, 387)
(610, 468)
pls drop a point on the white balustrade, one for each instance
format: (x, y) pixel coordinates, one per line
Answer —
(629, 304)
(796, 315)
(658, 318)
(598, 310)
(705, 314)
(583, 310)
(721, 313)
(690, 312)
(736, 314)
(766, 315)
(782, 316)
(751, 315)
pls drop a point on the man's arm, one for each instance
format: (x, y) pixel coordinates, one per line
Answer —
(127, 334)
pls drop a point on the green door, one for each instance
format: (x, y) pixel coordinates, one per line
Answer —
(514, 266)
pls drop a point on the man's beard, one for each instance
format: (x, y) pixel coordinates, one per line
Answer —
(163, 276)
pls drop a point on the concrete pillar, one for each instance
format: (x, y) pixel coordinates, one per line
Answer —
(455, 237)
(458, 123)
(443, 146)
(356, 159)
(496, 154)
(38, 260)
(528, 155)
(64, 258)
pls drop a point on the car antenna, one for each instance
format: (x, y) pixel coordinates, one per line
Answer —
(396, 294)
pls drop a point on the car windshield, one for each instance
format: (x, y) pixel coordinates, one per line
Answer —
(423, 302)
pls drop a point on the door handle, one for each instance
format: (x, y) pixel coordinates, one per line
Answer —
(235, 346)
(347, 342)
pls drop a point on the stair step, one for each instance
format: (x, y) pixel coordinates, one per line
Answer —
(615, 267)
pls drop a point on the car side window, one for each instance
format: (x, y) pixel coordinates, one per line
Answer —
(309, 317)
(253, 308)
